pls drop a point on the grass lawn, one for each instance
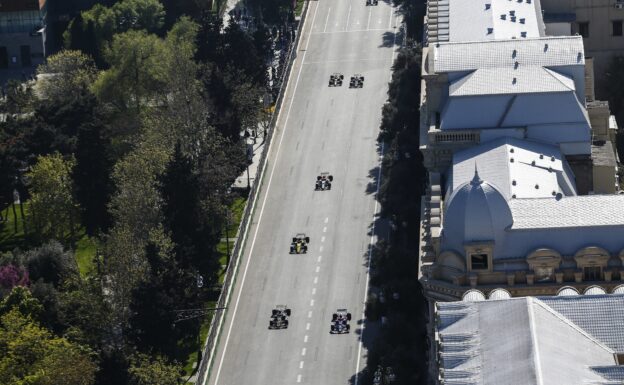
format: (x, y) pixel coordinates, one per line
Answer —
(299, 7)
(10, 239)
(196, 346)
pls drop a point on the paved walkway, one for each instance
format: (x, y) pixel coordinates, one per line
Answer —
(241, 181)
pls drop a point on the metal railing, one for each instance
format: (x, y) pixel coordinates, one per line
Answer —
(219, 316)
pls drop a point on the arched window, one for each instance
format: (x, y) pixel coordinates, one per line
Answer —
(543, 263)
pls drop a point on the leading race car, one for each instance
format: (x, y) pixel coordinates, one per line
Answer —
(335, 80)
(299, 244)
(357, 81)
(323, 182)
(340, 322)
(279, 317)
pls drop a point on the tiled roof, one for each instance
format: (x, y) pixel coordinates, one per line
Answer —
(541, 52)
(573, 211)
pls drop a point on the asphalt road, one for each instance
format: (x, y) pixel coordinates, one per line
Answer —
(319, 129)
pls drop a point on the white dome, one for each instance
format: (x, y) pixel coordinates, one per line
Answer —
(476, 211)
(567, 291)
(594, 290)
(618, 289)
(473, 295)
(499, 294)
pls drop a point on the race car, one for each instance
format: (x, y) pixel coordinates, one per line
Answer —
(323, 182)
(299, 244)
(335, 80)
(357, 81)
(371, 2)
(279, 317)
(340, 322)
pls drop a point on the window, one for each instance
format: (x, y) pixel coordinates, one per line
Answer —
(583, 29)
(544, 274)
(592, 273)
(479, 261)
(617, 27)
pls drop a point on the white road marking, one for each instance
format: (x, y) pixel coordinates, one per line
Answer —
(298, 377)
(227, 338)
(326, 219)
(321, 248)
(310, 314)
(318, 260)
(311, 302)
(379, 21)
(370, 13)
(305, 338)
(348, 16)
(322, 239)
(326, 20)
(318, 268)
(300, 364)
(303, 351)
(316, 278)
(325, 229)
(313, 291)
(308, 326)
(390, 20)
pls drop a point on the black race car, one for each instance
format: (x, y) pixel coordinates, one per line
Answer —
(372, 2)
(340, 322)
(299, 244)
(279, 317)
(323, 182)
(335, 80)
(357, 81)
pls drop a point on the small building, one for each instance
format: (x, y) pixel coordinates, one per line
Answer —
(22, 36)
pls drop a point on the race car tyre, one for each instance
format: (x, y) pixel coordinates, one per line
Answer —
(287, 312)
(285, 324)
(294, 240)
(348, 328)
(307, 239)
(334, 317)
(349, 316)
(331, 178)
(274, 312)
(328, 186)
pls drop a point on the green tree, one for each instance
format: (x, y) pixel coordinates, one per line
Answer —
(147, 370)
(54, 210)
(51, 263)
(65, 73)
(21, 300)
(137, 74)
(30, 354)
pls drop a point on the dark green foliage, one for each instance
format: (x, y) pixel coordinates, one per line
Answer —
(51, 264)
(413, 12)
(273, 11)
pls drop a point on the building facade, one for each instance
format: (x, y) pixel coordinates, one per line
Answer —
(522, 174)
(22, 34)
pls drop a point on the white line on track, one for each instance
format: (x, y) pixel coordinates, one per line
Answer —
(310, 314)
(390, 21)
(305, 339)
(326, 20)
(318, 268)
(311, 302)
(326, 219)
(253, 242)
(321, 248)
(313, 291)
(316, 278)
(303, 351)
(318, 260)
(298, 377)
(325, 229)
(308, 326)
(370, 13)
(300, 364)
(348, 16)
(372, 239)
(322, 239)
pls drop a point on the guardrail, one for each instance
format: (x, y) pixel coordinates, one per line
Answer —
(224, 298)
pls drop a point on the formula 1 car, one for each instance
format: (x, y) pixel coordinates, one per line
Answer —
(371, 2)
(357, 81)
(323, 182)
(299, 244)
(340, 322)
(335, 80)
(279, 317)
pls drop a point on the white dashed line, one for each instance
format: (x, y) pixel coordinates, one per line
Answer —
(300, 364)
(326, 219)
(313, 290)
(348, 17)
(305, 338)
(390, 21)
(310, 314)
(303, 351)
(322, 239)
(326, 20)
(318, 268)
(321, 248)
(298, 377)
(316, 278)
(308, 326)
(311, 302)
(325, 229)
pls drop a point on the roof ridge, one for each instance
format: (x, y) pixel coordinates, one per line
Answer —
(534, 348)
(556, 75)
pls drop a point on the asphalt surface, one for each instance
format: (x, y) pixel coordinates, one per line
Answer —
(319, 129)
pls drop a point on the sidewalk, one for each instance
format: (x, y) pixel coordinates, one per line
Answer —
(241, 181)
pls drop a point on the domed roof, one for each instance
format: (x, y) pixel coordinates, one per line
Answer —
(473, 295)
(618, 289)
(594, 290)
(476, 211)
(567, 291)
(499, 294)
